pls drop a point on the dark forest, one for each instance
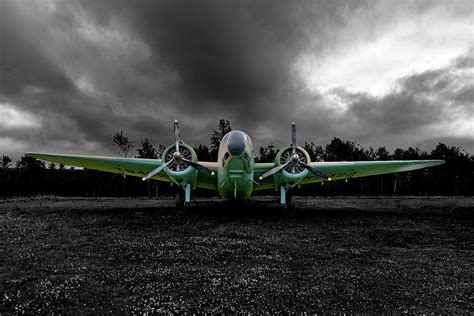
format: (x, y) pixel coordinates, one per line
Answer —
(27, 176)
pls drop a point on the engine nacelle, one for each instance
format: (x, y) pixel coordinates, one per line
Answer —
(180, 170)
(293, 173)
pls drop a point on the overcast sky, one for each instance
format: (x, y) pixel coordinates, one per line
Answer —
(381, 73)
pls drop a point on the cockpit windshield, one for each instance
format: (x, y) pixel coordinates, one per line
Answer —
(248, 141)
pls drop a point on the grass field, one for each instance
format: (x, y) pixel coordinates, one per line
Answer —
(334, 255)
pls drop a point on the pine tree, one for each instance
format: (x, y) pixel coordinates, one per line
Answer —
(147, 150)
(5, 162)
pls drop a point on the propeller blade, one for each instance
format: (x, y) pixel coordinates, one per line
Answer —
(274, 170)
(199, 167)
(177, 137)
(315, 171)
(293, 136)
(157, 170)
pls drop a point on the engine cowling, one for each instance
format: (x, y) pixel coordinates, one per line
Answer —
(178, 168)
(292, 164)
(293, 172)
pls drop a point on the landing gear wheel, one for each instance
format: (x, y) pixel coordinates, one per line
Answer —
(179, 199)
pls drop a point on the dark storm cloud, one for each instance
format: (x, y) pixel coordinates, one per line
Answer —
(23, 62)
(32, 80)
(223, 50)
(87, 69)
(232, 58)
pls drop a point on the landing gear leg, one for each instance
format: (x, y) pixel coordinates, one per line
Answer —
(183, 197)
(286, 201)
(180, 205)
(282, 195)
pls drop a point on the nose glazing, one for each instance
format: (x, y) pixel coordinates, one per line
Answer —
(236, 144)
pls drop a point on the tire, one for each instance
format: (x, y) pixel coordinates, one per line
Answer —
(179, 200)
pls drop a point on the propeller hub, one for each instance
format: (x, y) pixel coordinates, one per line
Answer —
(177, 156)
(295, 158)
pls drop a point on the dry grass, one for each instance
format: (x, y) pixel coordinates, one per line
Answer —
(334, 255)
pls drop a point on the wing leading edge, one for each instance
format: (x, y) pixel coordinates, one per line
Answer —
(351, 169)
(356, 169)
(136, 167)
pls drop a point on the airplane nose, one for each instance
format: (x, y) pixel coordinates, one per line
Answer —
(236, 144)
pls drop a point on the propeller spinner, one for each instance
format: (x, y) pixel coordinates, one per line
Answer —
(180, 159)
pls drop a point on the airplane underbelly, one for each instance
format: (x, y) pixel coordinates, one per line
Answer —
(235, 187)
(234, 182)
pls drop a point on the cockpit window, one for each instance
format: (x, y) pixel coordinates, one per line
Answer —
(226, 137)
(248, 141)
(246, 157)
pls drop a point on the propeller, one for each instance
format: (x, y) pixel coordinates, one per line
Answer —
(177, 137)
(315, 171)
(273, 170)
(294, 161)
(198, 167)
(156, 170)
(178, 158)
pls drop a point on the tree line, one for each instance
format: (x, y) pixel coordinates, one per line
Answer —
(29, 176)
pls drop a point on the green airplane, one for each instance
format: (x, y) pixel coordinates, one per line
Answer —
(235, 175)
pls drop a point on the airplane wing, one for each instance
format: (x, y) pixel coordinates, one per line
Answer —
(137, 167)
(349, 169)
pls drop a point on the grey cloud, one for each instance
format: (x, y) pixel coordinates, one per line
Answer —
(465, 95)
(228, 51)
(23, 62)
(229, 59)
(465, 61)
(199, 61)
(420, 100)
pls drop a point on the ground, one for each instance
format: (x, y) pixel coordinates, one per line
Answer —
(333, 255)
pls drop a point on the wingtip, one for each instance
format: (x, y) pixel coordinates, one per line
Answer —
(437, 162)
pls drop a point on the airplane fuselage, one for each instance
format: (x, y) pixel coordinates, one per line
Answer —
(235, 166)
